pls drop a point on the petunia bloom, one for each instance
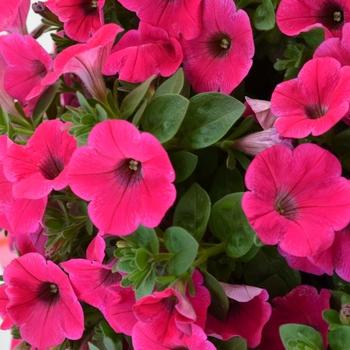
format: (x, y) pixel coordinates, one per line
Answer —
(314, 101)
(176, 17)
(86, 60)
(127, 176)
(17, 215)
(81, 18)
(141, 53)
(41, 165)
(27, 63)
(248, 313)
(295, 16)
(303, 305)
(221, 57)
(297, 199)
(42, 302)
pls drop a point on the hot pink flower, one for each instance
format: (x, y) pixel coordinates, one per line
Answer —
(19, 215)
(262, 112)
(141, 53)
(314, 101)
(81, 18)
(220, 58)
(166, 315)
(27, 64)
(126, 174)
(42, 302)
(141, 340)
(7, 322)
(41, 165)
(303, 305)
(86, 60)
(297, 198)
(96, 284)
(246, 317)
(13, 16)
(295, 16)
(176, 17)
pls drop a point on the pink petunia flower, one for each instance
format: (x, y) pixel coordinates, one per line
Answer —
(42, 302)
(86, 60)
(303, 305)
(7, 322)
(296, 16)
(27, 64)
(141, 53)
(166, 315)
(197, 340)
(127, 176)
(297, 199)
(248, 313)
(95, 284)
(262, 112)
(335, 258)
(220, 58)
(41, 165)
(81, 18)
(13, 16)
(314, 101)
(176, 17)
(17, 215)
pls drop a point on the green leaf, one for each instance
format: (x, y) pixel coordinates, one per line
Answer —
(264, 16)
(147, 238)
(192, 212)
(141, 258)
(44, 102)
(269, 268)
(219, 302)
(147, 285)
(173, 85)
(226, 181)
(131, 101)
(179, 242)
(229, 223)
(314, 37)
(184, 164)
(339, 338)
(331, 316)
(209, 117)
(92, 346)
(164, 115)
(84, 103)
(297, 336)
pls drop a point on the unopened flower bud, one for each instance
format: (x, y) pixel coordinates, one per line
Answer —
(254, 144)
(345, 314)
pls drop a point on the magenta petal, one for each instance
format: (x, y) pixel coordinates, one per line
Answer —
(177, 17)
(13, 16)
(7, 322)
(140, 54)
(303, 305)
(96, 249)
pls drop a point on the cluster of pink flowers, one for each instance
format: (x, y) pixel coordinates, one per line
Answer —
(122, 179)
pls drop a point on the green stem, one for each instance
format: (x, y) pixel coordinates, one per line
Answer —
(23, 131)
(207, 253)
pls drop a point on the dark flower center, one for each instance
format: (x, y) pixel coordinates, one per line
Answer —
(169, 303)
(315, 111)
(48, 292)
(220, 44)
(108, 278)
(51, 167)
(129, 172)
(332, 15)
(89, 7)
(180, 348)
(286, 206)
